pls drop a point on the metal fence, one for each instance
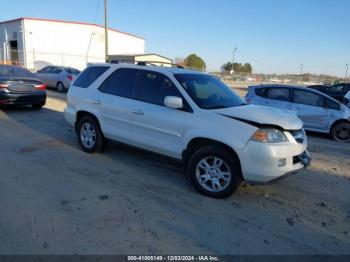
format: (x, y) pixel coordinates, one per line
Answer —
(304, 79)
(34, 59)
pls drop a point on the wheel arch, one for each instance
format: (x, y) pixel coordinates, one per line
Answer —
(338, 122)
(198, 142)
(82, 113)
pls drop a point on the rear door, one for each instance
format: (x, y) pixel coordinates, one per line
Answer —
(113, 101)
(310, 108)
(154, 126)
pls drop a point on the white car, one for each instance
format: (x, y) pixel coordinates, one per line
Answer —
(189, 116)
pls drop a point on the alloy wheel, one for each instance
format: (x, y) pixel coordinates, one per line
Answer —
(213, 174)
(88, 135)
(342, 134)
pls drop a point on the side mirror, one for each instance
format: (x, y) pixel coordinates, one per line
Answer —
(174, 102)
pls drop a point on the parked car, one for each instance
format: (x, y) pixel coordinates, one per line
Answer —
(320, 88)
(189, 116)
(337, 91)
(318, 111)
(18, 86)
(58, 77)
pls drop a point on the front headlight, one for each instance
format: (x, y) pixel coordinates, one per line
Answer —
(269, 135)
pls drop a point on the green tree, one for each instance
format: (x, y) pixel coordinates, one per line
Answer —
(227, 67)
(247, 68)
(195, 62)
(237, 67)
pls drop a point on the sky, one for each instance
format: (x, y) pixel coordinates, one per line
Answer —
(275, 36)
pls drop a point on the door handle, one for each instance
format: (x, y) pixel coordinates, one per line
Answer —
(138, 112)
(96, 102)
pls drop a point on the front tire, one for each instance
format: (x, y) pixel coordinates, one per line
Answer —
(341, 132)
(214, 171)
(60, 87)
(89, 135)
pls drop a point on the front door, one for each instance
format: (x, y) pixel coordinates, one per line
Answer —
(154, 126)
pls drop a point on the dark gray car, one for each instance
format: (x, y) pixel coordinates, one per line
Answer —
(58, 77)
(318, 111)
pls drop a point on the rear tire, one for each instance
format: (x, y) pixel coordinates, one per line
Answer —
(89, 135)
(60, 87)
(214, 171)
(341, 132)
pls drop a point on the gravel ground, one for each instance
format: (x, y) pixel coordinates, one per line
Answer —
(55, 199)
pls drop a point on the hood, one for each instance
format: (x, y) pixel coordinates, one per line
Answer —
(263, 115)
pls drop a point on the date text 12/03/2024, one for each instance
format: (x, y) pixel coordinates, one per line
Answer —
(173, 258)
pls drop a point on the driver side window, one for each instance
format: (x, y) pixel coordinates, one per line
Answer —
(153, 87)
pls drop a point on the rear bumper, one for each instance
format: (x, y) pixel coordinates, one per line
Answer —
(264, 163)
(70, 115)
(37, 97)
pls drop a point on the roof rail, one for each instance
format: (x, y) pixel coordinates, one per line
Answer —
(146, 63)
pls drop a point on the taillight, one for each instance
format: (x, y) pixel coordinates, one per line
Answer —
(70, 78)
(40, 87)
(2, 85)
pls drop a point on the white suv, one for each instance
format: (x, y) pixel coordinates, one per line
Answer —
(189, 116)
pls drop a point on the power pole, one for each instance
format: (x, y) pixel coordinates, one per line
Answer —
(233, 59)
(106, 33)
(346, 72)
(301, 69)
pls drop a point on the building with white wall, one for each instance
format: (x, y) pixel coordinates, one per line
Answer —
(34, 43)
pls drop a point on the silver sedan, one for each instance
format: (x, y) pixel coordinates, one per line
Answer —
(318, 111)
(58, 77)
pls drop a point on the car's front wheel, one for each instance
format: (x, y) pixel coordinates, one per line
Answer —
(341, 132)
(214, 171)
(89, 135)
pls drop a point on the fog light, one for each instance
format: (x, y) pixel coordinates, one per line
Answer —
(282, 162)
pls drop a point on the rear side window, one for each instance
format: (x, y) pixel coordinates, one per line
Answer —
(308, 98)
(120, 83)
(154, 87)
(279, 93)
(56, 71)
(260, 92)
(89, 75)
(72, 71)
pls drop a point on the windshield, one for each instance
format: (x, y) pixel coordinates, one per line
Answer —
(14, 71)
(208, 92)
